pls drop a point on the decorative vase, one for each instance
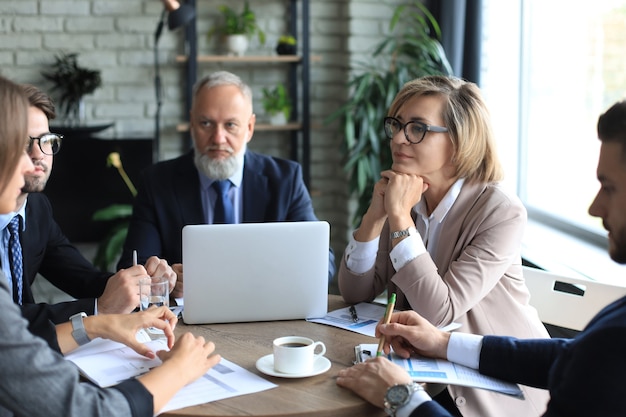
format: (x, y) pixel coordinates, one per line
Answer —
(76, 115)
(286, 49)
(236, 44)
(278, 118)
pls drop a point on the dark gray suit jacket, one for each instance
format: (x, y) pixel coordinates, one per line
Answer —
(38, 381)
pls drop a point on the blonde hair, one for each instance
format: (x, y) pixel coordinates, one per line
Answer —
(468, 121)
(13, 128)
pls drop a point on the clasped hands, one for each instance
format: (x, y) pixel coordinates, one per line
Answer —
(407, 333)
(395, 194)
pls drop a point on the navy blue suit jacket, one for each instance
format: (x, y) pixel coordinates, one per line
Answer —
(585, 375)
(169, 198)
(47, 251)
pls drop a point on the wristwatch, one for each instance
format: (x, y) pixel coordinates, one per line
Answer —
(403, 233)
(79, 333)
(399, 395)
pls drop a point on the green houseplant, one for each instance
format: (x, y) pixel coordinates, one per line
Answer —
(276, 102)
(72, 82)
(287, 45)
(409, 51)
(237, 27)
(111, 245)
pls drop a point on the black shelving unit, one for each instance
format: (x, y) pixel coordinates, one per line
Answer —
(298, 80)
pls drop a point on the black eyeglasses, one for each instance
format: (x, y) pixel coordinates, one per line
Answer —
(49, 143)
(414, 131)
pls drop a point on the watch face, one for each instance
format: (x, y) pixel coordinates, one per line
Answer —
(398, 394)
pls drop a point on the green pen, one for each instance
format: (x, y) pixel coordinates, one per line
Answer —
(390, 306)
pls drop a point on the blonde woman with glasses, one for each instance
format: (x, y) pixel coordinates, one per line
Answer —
(443, 235)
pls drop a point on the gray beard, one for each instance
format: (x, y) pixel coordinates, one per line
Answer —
(218, 170)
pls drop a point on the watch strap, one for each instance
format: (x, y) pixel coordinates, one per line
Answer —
(78, 329)
(403, 233)
(393, 403)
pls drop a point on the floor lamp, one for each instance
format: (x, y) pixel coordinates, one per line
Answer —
(177, 16)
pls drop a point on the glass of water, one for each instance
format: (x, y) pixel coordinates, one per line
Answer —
(153, 292)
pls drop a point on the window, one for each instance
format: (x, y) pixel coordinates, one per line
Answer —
(550, 68)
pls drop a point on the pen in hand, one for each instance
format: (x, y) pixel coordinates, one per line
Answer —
(390, 306)
(355, 317)
(134, 257)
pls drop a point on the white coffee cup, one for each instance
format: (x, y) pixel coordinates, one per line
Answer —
(296, 354)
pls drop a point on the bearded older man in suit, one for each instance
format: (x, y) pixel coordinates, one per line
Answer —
(181, 191)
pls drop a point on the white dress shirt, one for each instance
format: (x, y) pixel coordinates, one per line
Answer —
(4, 251)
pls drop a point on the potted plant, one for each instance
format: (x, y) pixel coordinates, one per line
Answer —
(277, 104)
(237, 28)
(73, 83)
(110, 248)
(287, 45)
(405, 54)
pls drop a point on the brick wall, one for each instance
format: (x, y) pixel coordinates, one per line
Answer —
(117, 37)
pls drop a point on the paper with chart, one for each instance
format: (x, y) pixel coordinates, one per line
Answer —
(441, 371)
(367, 317)
(107, 363)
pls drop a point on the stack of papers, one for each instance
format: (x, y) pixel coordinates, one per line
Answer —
(441, 371)
(107, 363)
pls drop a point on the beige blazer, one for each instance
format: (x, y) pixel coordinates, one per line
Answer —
(475, 279)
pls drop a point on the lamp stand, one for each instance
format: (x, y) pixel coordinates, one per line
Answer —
(158, 90)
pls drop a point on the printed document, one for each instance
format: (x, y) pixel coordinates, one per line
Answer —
(441, 371)
(367, 317)
(107, 363)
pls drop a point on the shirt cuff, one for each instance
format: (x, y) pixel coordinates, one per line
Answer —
(417, 399)
(464, 349)
(361, 256)
(406, 250)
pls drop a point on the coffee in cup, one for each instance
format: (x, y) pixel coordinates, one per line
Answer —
(296, 354)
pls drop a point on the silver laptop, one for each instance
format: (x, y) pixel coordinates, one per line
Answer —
(255, 271)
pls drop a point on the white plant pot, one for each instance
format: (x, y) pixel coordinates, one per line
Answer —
(278, 119)
(236, 44)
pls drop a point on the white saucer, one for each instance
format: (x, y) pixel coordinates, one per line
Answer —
(266, 365)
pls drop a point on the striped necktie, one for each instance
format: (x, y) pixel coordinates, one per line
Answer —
(15, 257)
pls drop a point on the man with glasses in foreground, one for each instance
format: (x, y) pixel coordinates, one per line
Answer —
(45, 250)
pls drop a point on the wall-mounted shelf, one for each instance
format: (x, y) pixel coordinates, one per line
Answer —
(261, 127)
(298, 80)
(248, 59)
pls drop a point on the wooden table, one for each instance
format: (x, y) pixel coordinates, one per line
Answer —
(245, 343)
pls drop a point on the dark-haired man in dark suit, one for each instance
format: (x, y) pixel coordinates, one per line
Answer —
(45, 250)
